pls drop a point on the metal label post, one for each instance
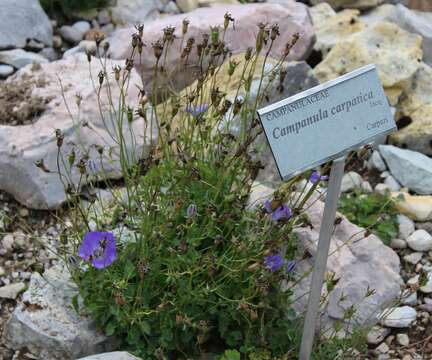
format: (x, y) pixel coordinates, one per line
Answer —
(326, 231)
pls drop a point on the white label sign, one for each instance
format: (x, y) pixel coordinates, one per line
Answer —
(325, 122)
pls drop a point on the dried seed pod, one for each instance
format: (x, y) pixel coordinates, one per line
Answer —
(101, 77)
(185, 26)
(157, 49)
(248, 53)
(274, 32)
(59, 136)
(140, 29)
(227, 19)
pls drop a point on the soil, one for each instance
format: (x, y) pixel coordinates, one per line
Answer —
(17, 104)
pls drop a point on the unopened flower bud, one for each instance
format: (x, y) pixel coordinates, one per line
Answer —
(59, 136)
(117, 70)
(214, 35)
(101, 77)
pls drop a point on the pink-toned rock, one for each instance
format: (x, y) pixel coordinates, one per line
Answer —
(358, 263)
(22, 146)
(292, 17)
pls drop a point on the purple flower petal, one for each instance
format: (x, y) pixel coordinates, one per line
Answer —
(99, 248)
(196, 111)
(315, 177)
(291, 265)
(267, 207)
(281, 213)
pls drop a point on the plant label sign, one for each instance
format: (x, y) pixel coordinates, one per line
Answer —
(325, 122)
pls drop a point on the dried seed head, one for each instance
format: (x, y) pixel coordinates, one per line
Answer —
(106, 46)
(227, 19)
(157, 49)
(78, 99)
(237, 106)
(169, 34)
(135, 40)
(99, 37)
(274, 32)
(129, 64)
(140, 29)
(185, 26)
(82, 166)
(59, 136)
(101, 77)
(117, 70)
(248, 53)
(100, 149)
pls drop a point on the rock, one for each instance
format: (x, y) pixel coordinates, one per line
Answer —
(395, 52)
(71, 34)
(84, 46)
(259, 193)
(406, 226)
(412, 169)
(359, 264)
(187, 5)
(420, 240)
(417, 208)
(116, 355)
(22, 146)
(413, 258)
(382, 189)
(399, 317)
(398, 244)
(427, 288)
(34, 45)
(333, 28)
(382, 348)
(409, 298)
(376, 161)
(293, 17)
(427, 226)
(82, 26)
(104, 17)
(19, 58)
(46, 325)
(377, 335)
(11, 291)
(366, 187)
(23, 20)
(392, 183)
(57, 41)
(7, 242)
(130, 12)
(50, 54)
(415, 107)
(5, 71)
(351, 181)
(402, 339)
(350, 4)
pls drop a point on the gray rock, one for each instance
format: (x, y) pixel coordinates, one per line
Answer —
(412, 169)
(47, 326)
(409, 298)
(129, 12)
(22, 146)
(11, 291)
(19, 58)
(85, 46)
(22, 20)
(376, 161)
(6, 70)
(82, 26)
(366, 187)
(382, 188)
(402, 339)
(377, 335)
(358, 263)
(8, 242)
(34, 45)
(420, 240)
(351, 181)
(398, 244)
(413, 258)
(406, 226)
(399, 317)
(71, 34)
(392, 183)
(116, 355)
(104, 17)
(50, 54)
(427, 226)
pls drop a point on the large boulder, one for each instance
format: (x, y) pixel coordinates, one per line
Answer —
(410, 168)
(130, 12)
(292, 17)
(415, 107)
(46, 324)
(116, 355)
(358, 264)
(396, 53)
(417, 208)
(422, 5)
(22, 21)
(86, 128)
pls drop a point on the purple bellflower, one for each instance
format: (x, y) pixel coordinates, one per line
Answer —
(99, 248)
(273, 262)
(283, 212)
(197, 111)
(315, 177)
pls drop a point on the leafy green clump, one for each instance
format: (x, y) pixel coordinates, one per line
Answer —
(374, 211)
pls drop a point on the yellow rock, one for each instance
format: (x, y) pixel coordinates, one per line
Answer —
(395, 52)
(417, 208)
(332, 28)
(350, 4)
